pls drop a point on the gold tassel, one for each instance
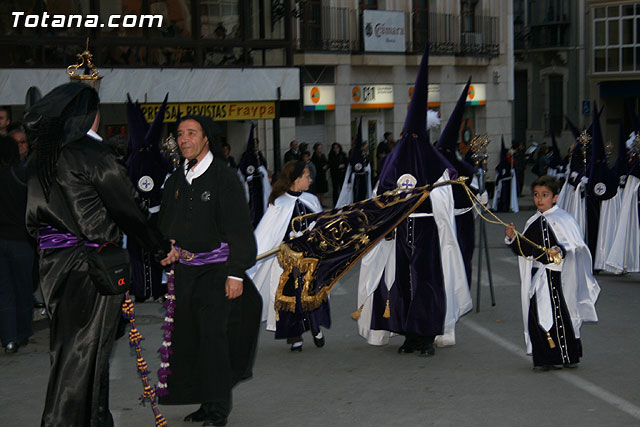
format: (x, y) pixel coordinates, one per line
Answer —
(356, 314)
(387, 311)
(551, 343)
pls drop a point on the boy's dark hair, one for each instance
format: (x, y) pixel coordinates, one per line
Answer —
(546, 181)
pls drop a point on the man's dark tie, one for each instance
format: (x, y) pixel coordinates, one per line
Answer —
(191, 163)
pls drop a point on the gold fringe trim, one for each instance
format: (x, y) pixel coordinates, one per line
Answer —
(290, 259)
(551, 343)
(356, 314)
(387, 311)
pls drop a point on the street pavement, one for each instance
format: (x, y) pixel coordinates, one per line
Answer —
(484, 380)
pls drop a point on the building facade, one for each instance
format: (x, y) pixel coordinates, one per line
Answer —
(316, 66)
(613, 61)
(569, 54)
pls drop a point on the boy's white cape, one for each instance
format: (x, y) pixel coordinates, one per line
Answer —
(579, 287)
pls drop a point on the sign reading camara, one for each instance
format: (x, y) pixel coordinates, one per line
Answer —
(383, 31)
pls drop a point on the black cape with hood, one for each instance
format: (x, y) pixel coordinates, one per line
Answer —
(70, 168)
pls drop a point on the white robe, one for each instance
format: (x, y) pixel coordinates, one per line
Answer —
(579, 287)
(513, 194)
(574, 203)
(266, 185)
(346, 193)
(609, 214)
(625, 249)
(269, 234)
(381, 260)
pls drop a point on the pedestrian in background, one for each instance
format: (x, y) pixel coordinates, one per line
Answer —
(16, 251)
(306, 158)
(228, 158)
(519, 161)
(320, 185)
(338, 162)
(293, 153)
(19, 135)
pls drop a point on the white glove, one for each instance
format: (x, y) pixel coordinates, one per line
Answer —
(484, 198)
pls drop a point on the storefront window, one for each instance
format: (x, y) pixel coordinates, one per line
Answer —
(599, 60)
(268, 57)
(627, 59)
(266, 20)
(123, 15)
(176, 21)
(613, 60)
(220, 19)
(613, 33)
(600, 39)
(616, 38)
(221, 33)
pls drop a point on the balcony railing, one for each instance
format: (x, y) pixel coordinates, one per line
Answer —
(340, 30)
(548, 35)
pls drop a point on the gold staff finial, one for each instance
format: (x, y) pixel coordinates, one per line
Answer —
(478, 146)
(85, 59)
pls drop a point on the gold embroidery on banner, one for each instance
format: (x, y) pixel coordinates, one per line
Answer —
(336, 235)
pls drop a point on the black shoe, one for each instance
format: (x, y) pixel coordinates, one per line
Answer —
(297, 348)
(545, 368)
(404, 348)
(11, 347)
(218, 421)
(196, 416)
(429, 350)
(570, 365)
(38, 305)
(541, 368)
(319, 341)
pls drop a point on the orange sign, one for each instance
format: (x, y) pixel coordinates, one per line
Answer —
(356, 94)
(472, 92)
(315, 95)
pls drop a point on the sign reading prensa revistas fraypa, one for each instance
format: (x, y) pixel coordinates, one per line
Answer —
(383, 31)
(218, 111)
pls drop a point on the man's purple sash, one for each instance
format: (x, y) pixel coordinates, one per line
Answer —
(220, 254)
(51, 238)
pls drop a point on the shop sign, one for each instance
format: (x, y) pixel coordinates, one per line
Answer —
(218, 111)
(383, 31)
(477, 94)
(371, 96)
(433, 100)
(319, 98)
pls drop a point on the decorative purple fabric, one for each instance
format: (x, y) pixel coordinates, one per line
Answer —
(220, 254)
(51, 238)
